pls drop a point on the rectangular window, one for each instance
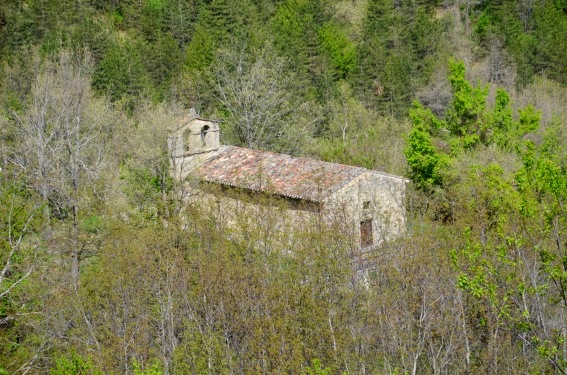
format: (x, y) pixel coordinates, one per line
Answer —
(366, 205)
(366, 233)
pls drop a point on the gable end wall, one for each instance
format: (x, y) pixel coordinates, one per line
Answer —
(385, 196)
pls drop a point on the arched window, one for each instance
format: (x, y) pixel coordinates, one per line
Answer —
(204, 131)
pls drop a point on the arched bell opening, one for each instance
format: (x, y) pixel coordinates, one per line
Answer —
(204, 132)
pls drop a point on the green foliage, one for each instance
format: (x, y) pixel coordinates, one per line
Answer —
(340, 49)
(195, 354)
(427, 165)
(542, 179)
(484, 25)
(200, 52)
(515, 223)
(493, 265)
(334, 150)
(396, 54)
(297, 28)
(465, 118)
(154, 369)
(500, 119)
(317, 368)
(227, 20)
(162, 60)
(75, 365)
(352, 132)
(161, 277)
(19, 205)
(21, 224)
(121, 73)
(467, 125)
(92, 224)
(20, 221)
(254, 91)
(531, 33)
(92, 34)
(143, 188)
(528, 122)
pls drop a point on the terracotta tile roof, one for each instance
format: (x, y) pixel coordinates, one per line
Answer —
(280, 174)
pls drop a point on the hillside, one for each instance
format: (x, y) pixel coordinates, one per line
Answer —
(104, 268)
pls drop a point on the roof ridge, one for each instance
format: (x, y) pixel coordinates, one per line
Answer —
(289, 176)
(301, 157)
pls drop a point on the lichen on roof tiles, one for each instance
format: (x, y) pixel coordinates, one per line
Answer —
(279, 174)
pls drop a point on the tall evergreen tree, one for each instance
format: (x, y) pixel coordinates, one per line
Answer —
(396, 54)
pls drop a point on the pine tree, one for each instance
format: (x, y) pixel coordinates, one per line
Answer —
(396, 54)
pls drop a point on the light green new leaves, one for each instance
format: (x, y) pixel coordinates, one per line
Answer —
(465, 119)
(467, 125)
(427, 165)
(340, 49)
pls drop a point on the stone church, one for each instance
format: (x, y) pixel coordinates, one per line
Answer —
(368, 204)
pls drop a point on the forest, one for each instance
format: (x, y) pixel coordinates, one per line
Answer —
(104, 269)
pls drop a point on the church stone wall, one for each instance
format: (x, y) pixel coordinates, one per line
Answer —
(374, 197)
(254, 215)
(371, 196)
